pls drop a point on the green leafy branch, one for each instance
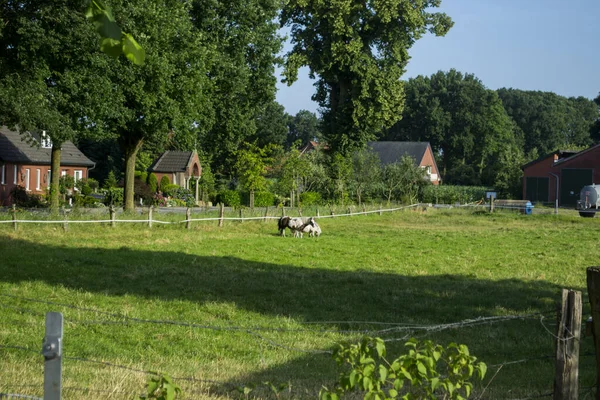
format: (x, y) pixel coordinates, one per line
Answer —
(161, 387)
(427, 371)
(114, 41)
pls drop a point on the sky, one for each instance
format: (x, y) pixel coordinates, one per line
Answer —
(547, 45)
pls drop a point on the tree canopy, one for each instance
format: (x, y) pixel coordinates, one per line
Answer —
(357, 50)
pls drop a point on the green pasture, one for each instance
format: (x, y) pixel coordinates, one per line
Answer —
(253, 307)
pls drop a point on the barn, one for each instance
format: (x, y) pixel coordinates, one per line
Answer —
(560, 176)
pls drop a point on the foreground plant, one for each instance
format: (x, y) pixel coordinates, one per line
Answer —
(427, 371)
(161, 387)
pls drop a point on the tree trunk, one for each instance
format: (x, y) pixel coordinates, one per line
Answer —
(252, 199)
(55, 177)
(130, 152)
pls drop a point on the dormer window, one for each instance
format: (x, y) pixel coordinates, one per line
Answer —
(45, 140)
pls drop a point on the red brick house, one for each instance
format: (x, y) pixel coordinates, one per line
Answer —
(180, 166)
(561, 175)
(25, 161)
(391, 152)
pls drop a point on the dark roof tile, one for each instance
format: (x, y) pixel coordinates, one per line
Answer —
(391, 152)
(18, 148)
(172, 161)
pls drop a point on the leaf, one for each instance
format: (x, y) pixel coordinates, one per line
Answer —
(367, 383)
(436, 355)
(406, 374)
(170, 392)
(383, 373)
(132, 50)
(380, 347)
(482, 370)
(352, 378)
(398, 383)
(422, 369)
(393, 393)
(112, 47)
(435, 382)
(468, 388)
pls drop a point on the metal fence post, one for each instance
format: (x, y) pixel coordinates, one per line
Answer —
(52, 352)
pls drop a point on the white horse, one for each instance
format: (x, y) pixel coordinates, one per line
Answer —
(291, 223)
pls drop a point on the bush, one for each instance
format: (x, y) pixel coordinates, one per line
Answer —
(184, 197)
(66, 182)
(169, 190)
(153, 182)
(113, 196)
(142, 191)
(21, 198)
(261, 199)
(85, 201)
(111, 181)
(164, 182)
(230, 198)
(310, 199)
(93, 184)
(448, 194)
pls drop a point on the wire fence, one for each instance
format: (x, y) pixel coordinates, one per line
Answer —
(390, 332)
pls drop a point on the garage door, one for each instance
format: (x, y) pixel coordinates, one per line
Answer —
(571, 182)
(536, 189)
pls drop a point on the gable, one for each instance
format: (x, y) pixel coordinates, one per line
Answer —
(172, 161)
(391, 152)
(15, 148)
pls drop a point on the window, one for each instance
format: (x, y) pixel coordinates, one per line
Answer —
(46, 143)
(38, 176)
(27, 179)
(78, 175)
(63, 173)
(15, 175)
(3, 181)
(49, 177)
(174, 179)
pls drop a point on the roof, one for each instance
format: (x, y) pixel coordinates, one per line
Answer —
(18, 148)
(562, 154)
(172, 161)
(577, 154)
(391, 152)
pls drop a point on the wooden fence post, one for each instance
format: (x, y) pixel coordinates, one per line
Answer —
(150, 209)
(188, 216)
(300, 212)
(221, 213)
(380, 208)
(283, 211)
(66, 223)
(593, 285)
(331, 212)
(112, 216)
(241, 216)
(364, 210)
(318, 215)
(266, 214)
(349, 211)
(567, 347)
(14, 217)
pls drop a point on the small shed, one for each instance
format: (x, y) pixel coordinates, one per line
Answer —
(180, 166)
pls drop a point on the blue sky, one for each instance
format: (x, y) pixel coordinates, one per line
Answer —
(548, 45)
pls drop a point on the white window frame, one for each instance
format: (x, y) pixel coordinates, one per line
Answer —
(3, 181)
(49, 177)
(27, 175)
(78, 175)
(63, 173)
(174, 178)
(38, 181)
(15, 178)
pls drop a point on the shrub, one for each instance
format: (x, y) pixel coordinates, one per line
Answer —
(261, 199)
(142, 191)
(184, 197)
(111, 181)
(144, 176)
(85, 201)
(66, 182)
(93, 184)
(310, 198)
(230, 198)
(449, 194)
(153, 182)
(169, 190)
(159, 200)
(21, 198)
(113, 196)
(164, 182)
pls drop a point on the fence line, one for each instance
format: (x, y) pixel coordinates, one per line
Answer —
(151, 220)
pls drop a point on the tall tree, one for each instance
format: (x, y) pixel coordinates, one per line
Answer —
(303, 127)
(359, 50)
(464, 121)
(245, 35)
(550, 121)
(168, 95)
(49, 73)
(595, 129)
(366, 172)
(271, 125)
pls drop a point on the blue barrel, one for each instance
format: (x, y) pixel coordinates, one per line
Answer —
(528, 208)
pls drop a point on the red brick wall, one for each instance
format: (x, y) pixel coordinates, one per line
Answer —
(9, 184)
(543, 168)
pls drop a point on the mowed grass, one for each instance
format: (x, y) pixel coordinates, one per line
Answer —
(256, 307)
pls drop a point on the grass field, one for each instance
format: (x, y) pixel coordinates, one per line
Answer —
(255, 307)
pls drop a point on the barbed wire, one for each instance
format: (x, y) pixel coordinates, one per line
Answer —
(18, 396)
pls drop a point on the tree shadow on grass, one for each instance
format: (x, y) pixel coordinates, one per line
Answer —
(306, 295)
